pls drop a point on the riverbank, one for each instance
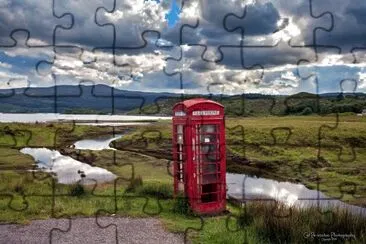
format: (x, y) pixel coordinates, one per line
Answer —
(316, 151)
(27, 196)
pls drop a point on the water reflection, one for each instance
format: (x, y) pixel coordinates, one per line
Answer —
(114, 123)
(67, 169)
(91, 118)
(96, 144)
(241, 186)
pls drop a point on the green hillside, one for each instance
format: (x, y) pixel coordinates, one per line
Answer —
(263, 105)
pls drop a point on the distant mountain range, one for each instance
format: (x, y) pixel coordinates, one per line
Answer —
(74, 99)
(102, 99)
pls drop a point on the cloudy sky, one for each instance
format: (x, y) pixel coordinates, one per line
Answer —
(191, 46)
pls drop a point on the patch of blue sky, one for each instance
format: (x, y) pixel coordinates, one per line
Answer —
(330, 77)
(20, 64)
(173, 15)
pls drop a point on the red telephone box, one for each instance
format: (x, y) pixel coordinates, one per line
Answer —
(199, 154)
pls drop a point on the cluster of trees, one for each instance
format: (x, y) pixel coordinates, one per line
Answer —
(327, 106)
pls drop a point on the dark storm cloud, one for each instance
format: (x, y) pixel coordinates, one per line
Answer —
(349, 27)
(358, 12)
(260, 19)
(37, 17)
(132, 17)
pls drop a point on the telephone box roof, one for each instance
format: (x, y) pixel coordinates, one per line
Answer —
(194, 101)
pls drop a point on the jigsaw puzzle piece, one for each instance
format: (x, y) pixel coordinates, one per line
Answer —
(306, 79)
(149, 139)
(18, 192)
(7, 137)
(82, 230)
(40, 31)
(13, 198)
(104, 61)
(359, 54)
(159, 105)
(123, 24)
(237, 145)
(8, 86)
(126, 65)
(281, 135)
(123, 102)
(135, 230)
(37, 54)
(105, 92)
(14, 138)
(217, 92)
(317, 200)
(40, 231)
(302, 104)
(58, 94)
(32, 55)
(276, 202)
(345, 148)
(237, 223)
(227, 15)
(173, 68)
(193, 231)
(347, 19)
(200, 56)
(252, 16)
(114, 190)
(84, 26)
(257, 78)
(315, 23)
(62, 134)
(39, 59)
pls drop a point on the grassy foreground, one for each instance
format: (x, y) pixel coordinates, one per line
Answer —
(313, 150)
(144, 155)
(256, 222)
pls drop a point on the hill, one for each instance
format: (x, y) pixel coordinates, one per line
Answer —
(102, 99)
(262, 105)
(82, 99)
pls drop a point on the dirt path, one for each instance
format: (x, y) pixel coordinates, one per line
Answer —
(88, 230)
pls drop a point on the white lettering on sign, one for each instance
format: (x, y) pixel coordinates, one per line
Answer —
(206, 112)
(180, 113)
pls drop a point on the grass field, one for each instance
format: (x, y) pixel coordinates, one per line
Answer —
(314, 150)
(145, 152)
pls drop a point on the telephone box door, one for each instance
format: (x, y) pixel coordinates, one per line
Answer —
(207, 163)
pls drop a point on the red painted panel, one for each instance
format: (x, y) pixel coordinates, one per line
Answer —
(204, 149)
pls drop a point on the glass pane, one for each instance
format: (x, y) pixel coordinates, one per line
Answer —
(209, 143)
(179, 145)
(209, 193)
(180, 134)
(209, 153)
(209, 168)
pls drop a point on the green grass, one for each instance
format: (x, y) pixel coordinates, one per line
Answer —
(52, 135)
(291, 152)
(145, 155)
(255, 105)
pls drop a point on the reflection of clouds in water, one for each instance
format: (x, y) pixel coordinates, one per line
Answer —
(67, 168)
(49, 117)
(291, 194)
(114, 124)
(97, 144)
(257, 188)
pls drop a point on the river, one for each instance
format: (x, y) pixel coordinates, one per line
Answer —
(239, 186)
(85, 118)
